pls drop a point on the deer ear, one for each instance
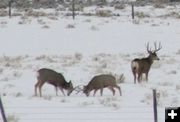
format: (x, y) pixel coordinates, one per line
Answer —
(150, 52)
(70, 83)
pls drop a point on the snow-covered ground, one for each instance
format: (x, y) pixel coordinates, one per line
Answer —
(81, 49)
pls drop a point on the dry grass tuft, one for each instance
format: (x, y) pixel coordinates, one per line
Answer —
(103, 13)
(70, 26)
(12, 118)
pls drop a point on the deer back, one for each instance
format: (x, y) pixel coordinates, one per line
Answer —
(51, 76)
(101, 81)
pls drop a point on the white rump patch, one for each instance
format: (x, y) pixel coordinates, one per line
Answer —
(37, 74)
(134, 64)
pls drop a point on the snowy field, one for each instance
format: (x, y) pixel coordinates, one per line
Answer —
(81, 49)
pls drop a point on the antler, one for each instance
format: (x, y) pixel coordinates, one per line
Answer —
(157, 49)
(78, 89)
(147, 47)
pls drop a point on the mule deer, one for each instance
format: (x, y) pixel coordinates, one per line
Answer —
(140, 66)
(53, 78)
(100, 82)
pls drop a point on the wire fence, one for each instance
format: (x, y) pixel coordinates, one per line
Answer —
(68, 112)
(82, 114)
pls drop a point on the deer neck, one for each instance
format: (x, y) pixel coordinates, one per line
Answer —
(65, 85)
(89, 87)
(150, 59)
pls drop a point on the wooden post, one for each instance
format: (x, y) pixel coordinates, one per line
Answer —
(155, 106)
(90, 2)
(2, 111)
(73, 9)
(10, 3)
(132, 6)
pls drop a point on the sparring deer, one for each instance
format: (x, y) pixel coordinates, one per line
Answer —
(54, 78)
(100, 82)
(140, 66)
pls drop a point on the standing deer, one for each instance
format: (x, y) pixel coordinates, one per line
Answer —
(53, 78)
(140, 66)
(100, 82)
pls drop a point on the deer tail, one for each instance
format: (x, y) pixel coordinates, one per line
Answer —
(134, 66)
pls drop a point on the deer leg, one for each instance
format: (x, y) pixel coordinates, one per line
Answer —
(134, 73)
(62, 91)
(112, 89)
(139, 77)
(101, 91)
(40, 87)
(119, 88)
(95, 92)
(35, 90)
(56, 89)
(147, 77)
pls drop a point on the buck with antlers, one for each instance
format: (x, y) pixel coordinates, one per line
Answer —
(54, 78)
(99, 82)
(140, 66)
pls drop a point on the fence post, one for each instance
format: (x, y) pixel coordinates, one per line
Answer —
(155, 106)
(132, 6)
(10, 3)
(2, 111)
(73, 9)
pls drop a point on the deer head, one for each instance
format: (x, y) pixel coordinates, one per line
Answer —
(86, 91)
(152, 54)
(69, 88)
